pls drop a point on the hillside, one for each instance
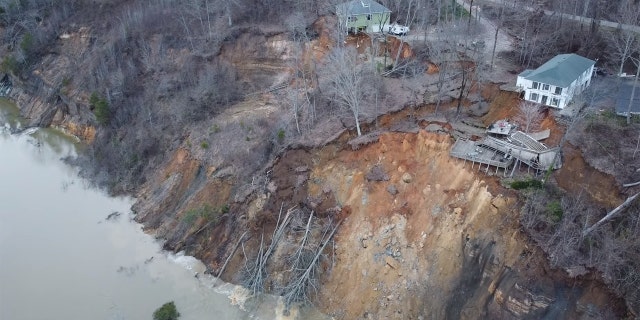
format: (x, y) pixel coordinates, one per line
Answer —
(245, 146)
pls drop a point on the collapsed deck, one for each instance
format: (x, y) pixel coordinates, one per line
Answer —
(479, 153)
(518, 147)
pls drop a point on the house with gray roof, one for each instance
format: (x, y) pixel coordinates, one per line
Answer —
(362, 15)
(557, 81)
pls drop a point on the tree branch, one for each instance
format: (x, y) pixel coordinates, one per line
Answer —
(610, 215)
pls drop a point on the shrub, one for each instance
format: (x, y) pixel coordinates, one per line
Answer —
(524, 184)
(280, 135)
(168, 311)
(204, 145)
(10, 65)
(206, 211)
(190, 217)
(554, 210)
(100, 108)
(27, 42)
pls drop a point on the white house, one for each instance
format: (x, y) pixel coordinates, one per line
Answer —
(556, 81)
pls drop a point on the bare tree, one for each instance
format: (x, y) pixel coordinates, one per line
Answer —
(466, 73)
(529, 115)
(228, 9)
(623, 42)
(443, 52)
(498, 24)
(348, 82)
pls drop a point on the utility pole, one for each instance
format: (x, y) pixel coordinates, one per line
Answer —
(633, 89)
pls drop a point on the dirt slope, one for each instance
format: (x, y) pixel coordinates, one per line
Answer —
(447, 245)
(423, 236)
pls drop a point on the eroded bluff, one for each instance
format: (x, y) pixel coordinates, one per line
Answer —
(421, 236)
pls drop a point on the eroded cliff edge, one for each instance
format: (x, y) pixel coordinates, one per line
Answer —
(421, 234)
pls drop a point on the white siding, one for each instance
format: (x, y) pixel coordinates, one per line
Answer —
(564, 98)
(527, 87)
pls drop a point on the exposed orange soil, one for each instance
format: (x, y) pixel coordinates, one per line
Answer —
(440, 204)
(504, 105)
(577, 176)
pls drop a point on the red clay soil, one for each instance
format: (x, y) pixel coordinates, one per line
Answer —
(505, 104)
(362, 42)
(577, 176)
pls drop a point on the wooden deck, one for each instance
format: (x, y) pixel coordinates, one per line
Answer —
(537, 159)
(477, 153)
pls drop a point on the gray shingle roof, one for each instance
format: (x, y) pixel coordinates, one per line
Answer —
(560, 71)
(525, 73)
(358, 7)
(624, 94)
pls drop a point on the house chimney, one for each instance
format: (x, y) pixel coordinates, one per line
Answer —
(365, 3)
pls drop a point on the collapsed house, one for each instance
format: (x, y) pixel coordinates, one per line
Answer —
(508, 153)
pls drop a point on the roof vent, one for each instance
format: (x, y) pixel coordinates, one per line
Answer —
(365, 3)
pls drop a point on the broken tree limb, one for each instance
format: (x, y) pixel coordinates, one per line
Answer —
(300, 250)
(611, 214)
(631, 184)
(258, 272)
(231, 254)
(297, 289)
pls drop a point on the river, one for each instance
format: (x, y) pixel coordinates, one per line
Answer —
(61, 257)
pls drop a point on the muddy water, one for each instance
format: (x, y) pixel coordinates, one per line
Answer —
(61, 258)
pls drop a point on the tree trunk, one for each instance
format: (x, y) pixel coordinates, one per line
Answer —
(357, 123)
(495, 36)
(462, 86)
(610, 215)
(470, 15)
(228, 10)
(495, 43)
(633, 91)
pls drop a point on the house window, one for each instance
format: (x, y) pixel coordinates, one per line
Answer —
(545, 87)
(555, 102)
(558, 90)
(369, 17)
(536, 85)
(533, 96)
(352, 19)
